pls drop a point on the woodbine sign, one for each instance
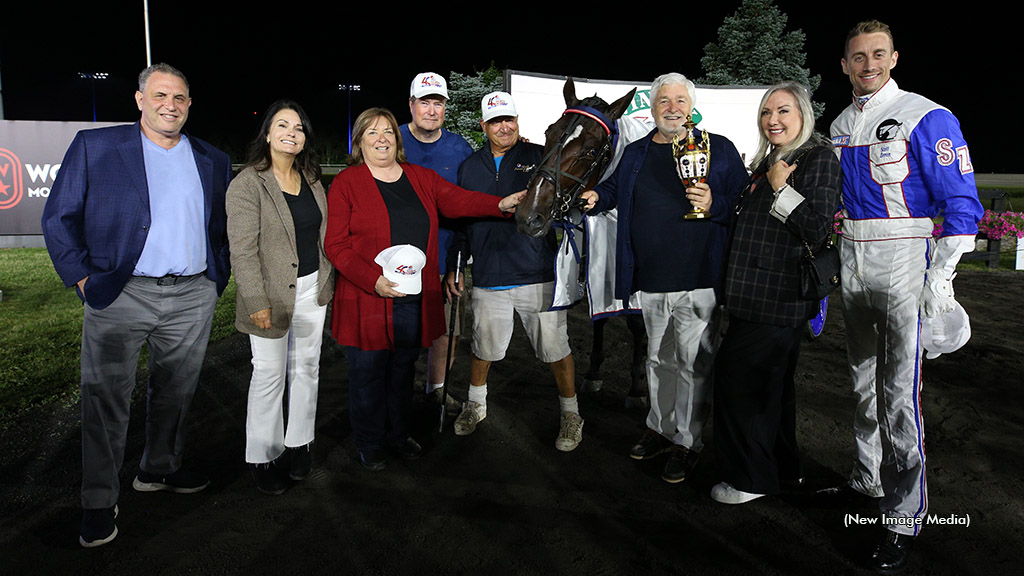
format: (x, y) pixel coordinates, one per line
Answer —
(30, 156)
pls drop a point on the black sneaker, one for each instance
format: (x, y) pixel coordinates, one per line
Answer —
(181, 482)
(98, 527)
(408, 449)
(681, 461)
(301, 462)
(268, 479)
(650, 445)
(892, 553)
(373, 460)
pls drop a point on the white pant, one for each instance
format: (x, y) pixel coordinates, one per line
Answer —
(682, 332)
(881, 286)
(290, 363)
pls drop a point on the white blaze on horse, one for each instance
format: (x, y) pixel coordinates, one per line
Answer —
(581, 149)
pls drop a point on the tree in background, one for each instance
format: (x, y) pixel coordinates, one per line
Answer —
(462, 114)
(753, 48)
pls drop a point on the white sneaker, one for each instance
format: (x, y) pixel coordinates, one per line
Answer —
(472, 414)
(725, 493)
(570, 434)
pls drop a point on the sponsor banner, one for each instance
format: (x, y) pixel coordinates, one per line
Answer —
(30, 156)
(730, 111)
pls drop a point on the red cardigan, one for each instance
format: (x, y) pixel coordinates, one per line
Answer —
(358, 228)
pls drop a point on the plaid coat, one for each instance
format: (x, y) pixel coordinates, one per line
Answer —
(762, 277)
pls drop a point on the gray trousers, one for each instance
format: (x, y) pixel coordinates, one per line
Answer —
(175, 320)
(682, 330)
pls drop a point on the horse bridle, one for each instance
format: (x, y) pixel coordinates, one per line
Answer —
(567, 199)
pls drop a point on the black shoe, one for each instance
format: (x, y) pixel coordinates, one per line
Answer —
(373, 460)
(792, 484)
(301, 462)
(181, 482)
(843, 496)
(892, 553)
(649, 445)
(408, 449)
(681, 461)
(268, 479)
(98, 527)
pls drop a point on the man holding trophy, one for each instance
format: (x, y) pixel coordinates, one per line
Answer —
(675, 190)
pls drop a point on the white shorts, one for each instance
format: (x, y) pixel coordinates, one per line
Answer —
(493, 322)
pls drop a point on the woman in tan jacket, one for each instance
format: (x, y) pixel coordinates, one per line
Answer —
(277, 217)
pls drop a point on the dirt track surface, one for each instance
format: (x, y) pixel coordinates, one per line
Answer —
(504, 501)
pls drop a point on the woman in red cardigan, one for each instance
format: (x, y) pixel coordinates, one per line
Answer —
(379, 202)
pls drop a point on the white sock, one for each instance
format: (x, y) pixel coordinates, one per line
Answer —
(478, 394)
(569, 405)
(434, 386)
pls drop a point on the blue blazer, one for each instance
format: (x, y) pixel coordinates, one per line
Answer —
(97, 217)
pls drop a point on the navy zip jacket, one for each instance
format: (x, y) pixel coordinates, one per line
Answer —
(501, 255)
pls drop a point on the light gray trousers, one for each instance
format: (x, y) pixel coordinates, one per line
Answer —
(174, 320)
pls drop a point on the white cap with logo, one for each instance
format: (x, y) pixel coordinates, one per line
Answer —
(497, 104)
(428, 84)
(945, 333)
(403, 264)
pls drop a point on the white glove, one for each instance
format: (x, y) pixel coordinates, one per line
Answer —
(937, 295)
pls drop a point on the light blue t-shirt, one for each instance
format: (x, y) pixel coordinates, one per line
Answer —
(176, 240)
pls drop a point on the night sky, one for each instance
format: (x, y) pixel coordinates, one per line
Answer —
(239, 59)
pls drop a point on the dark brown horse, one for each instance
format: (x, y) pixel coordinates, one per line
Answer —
(578, 148)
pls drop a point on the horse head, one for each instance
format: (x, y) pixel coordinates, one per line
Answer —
(576, 150)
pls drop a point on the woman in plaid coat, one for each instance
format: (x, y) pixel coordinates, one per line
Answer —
(789, 203)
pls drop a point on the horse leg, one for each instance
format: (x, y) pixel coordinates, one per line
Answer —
(638, 394)
(593, 379)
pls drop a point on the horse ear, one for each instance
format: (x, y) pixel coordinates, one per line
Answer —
(569, 93)
(617, 108)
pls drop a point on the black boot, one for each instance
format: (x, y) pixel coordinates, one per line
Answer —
(268, 479)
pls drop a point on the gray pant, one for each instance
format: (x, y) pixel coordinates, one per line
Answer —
(175, 321)
(682, 330)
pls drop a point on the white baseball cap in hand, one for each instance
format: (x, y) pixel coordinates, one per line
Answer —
(945, 333)
(403, 264)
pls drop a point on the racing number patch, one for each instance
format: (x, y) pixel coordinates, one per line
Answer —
(946, 155)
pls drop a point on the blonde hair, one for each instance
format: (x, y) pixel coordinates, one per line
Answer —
(803, 103)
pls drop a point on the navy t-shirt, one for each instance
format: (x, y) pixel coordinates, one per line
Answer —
(669, 249)
(443, 156)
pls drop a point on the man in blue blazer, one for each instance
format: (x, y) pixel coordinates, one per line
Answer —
(136, 222)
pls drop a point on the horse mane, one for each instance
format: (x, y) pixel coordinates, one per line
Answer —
(594, 102)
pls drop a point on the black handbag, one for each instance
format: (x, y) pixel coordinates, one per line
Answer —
(819, 271)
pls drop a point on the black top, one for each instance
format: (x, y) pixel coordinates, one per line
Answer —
(669, 249)
(410, 223)
(307, 218)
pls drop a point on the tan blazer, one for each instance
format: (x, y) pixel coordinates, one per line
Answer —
(261, 236)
